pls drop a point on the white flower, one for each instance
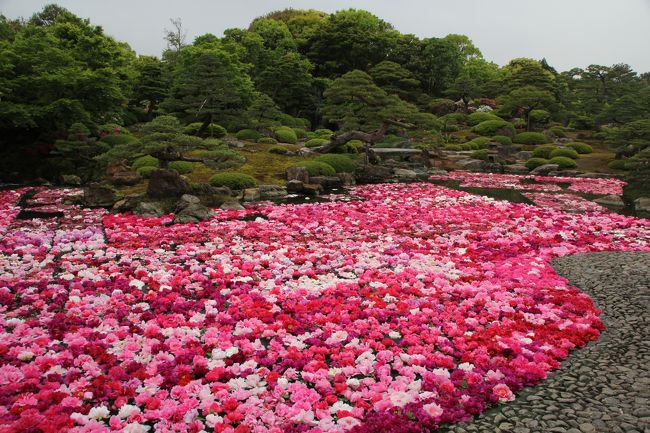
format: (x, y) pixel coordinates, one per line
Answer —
(466, 367)
(127, 410)
(212, 420)
(400, 398)
(348, 422)
(99, 412)
(25, 355)
(135, 427)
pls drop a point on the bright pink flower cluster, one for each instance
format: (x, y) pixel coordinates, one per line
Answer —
(416, 306)
(565, 202)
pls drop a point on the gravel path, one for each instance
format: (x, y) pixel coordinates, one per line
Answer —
(604, 387)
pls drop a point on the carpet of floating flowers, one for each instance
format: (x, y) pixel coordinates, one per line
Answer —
(565, 202)
(416, 307)
(597, 186)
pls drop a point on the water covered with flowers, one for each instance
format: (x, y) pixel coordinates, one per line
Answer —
(415, 307)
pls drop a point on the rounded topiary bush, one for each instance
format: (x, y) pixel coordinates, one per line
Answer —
(481, 154)
(248, 134)
(212, 130)
(145, 161)
(476, 118)
(317, 168)
(267, 140)
(300, 133)
(453, 147)
(617, 164)
(316, 142)
(558, 131)
(233, 180)
(341, 163)
(182, 167)
(279, 150)
(582, 148)
(531, 138)
(543, 151)
(494, 127)
(563, 162)
(286, 135)
(323, 133)
(565, 152)
(478, 143)
(145, 171)
(502, 140)
(533, 163)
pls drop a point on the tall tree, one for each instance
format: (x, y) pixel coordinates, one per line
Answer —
(288, 81)
(472, 81)
(149, 87)
(526, 99)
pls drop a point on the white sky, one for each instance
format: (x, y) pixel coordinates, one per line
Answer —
(569, 33)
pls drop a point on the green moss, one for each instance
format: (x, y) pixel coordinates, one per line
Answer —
(182, 167)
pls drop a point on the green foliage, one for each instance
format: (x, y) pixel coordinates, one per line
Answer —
(145, 161)
(316, 142)
(222, 158)
(563, 162)
(341, 163)
(182, 167)
(481, 154)
(544, 151)
(146, 171)
(639, 170)
(527, 99)
(324, 133)
(533, 163)
(267, 140)
(494, 127)
(476, 118)
(617, 164)
(454, 119)
(118, 139)
(211, 130)
(581, 148)
(478, 143)
(248, 134)
(453, 147)
(279, 150)
(317, 168)
(502, 140)
(540, 117)
(233, 180)
(558, 131)
(286, 135)
(300, 133)
(531, 138)
(565, 152)
(111, 129)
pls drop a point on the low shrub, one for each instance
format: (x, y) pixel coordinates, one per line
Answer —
(145, 161)
(222, 158)
(340, 162)
(563, 162)
(479, 143)
(324, 133)
(248, 134)
(617, 164)
(582, 148)
(450, 128)
(182, 167)
(558, 131)
(565, 152)
(146, 170)
(478, 117)
(300, 133)
(214, 143)
(531, 138)
(454, 119)
(267, 140)
(543, 151)
(316, 142)
(533, 163)
(233, 180)
(481, 154)
(494, 127)
(286, 135)
(317, 168)
(118, 139)
(212, 130)
(502, 140)
(279, 150)
(453, 147)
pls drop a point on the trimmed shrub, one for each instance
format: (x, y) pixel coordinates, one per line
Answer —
(533, 163)
(279, 150)
(222, 158)
(341, 163)
(111, 129)
(233, 180)
(146, 170)
(454, 147)
(248, 134)
(450, 128)
(565, 152)
(479, 143)
(531, 138)
(502, 140)
(481, 154)
(118, 139)
(617, 164)
(213, 144)
(324, 133)
(476, 118)
(317, 168)
(563, 162)
(300, 133)
(145, 161)
(182, 167)
(541, 117)
(454, 118)
(213, 130)
(543, 151)
(582, 148)
(494, 127)
(267, 140)
(286, 135)
(558, 131)
(316, 142)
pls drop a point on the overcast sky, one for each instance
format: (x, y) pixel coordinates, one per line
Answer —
(569, 33)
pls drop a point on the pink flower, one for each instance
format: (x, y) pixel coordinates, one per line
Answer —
(503, 392)
(432, 409)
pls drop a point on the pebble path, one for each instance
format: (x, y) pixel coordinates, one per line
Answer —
(604, 387)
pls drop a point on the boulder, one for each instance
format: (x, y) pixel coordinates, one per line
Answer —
(128, 178)
(272, 191)
(298, 173)
(327, 182)
(347, 179)
(371, 173)
(207, 189)
(96, 195)
(71, 180)
(523, 155)
(642, 204)
(167, 183)
(305, 151)
(117, 166)
(294, 186)
(404, 174)
(491, 167)
(545, 169)
(434, 171)
(312, 189)
(611, 200)
(76, 198)
(507, 151)
(149, 209)
(190, 210)
(128, 203)
(252, 194)
(515, 169)
(232, 205)
(470, 164)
